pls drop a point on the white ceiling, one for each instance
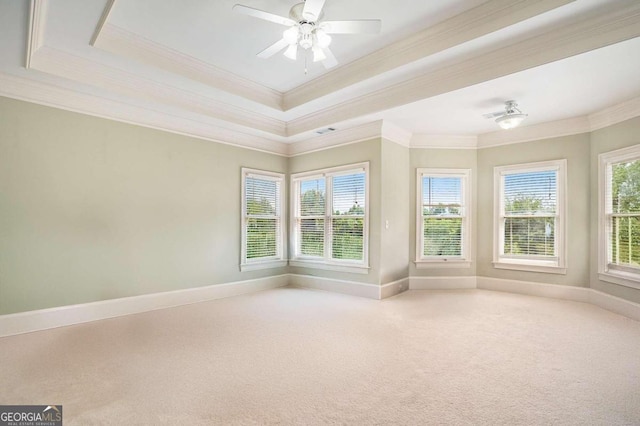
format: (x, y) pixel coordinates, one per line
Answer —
(212, 32)
(189, 66)
(550, 92)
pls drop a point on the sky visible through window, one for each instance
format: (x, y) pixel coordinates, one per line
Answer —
(348, 190)
(441, 191)
(530, 192)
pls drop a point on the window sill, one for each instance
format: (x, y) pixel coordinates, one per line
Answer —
(254, 266)
(530, 267)
(355, 269)
(621, 278)
(442, 264)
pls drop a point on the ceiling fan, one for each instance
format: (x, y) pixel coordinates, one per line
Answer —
(509, 118)
(307, 30)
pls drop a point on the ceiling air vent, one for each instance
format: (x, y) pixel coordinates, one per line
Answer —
(327, 130)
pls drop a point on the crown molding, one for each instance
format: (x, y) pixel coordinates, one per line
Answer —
(587, 34)
(615, 114)
(396, 133)
(66, 65)
(444, 141)
(47, 94)
(37, 23)
(339, 138)
(552, 129)
(124, 43)
(103, 20)
(571, 126)
(471, 24)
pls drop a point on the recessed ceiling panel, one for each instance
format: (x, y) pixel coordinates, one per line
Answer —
(211, 32)
(573, 87)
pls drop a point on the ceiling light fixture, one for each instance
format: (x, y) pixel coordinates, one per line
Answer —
(509, 118)
(308, 30)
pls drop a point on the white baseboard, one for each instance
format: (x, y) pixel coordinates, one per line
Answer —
(25, 322)
(393, 288)
(441, 283)
(353, 288)
(555, 291)
(577, 294)
(615, 304)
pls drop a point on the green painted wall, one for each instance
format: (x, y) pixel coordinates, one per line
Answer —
(576, 150)
(608, 139)
(443, 159)
(394, 261)
(93, 209)
(350, 154)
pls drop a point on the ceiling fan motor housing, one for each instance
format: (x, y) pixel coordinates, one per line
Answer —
(296, 14)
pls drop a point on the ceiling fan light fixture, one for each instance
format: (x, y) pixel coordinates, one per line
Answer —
(323, 39)
(291, 35)
(318, 54)
(509, 121)
(291, 52)
(306, 41)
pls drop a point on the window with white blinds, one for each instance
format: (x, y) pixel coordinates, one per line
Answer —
(262, 219)
(443, 212)
(620, 216)
(530, 214)
(331, 216)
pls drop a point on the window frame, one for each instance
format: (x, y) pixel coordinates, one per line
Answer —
(432, 262)
(266, 262)
(617, 275)
(531, 263)
(327, 262)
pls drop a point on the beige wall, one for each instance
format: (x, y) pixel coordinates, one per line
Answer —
(576, 150)
(444, 159)
(92, 209)
(394, 260)
(343, 155)
(608, 139)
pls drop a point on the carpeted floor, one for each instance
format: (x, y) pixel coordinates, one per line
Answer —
(292, 356)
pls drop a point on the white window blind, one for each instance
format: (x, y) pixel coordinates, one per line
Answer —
(311, 218)
(530, 207)
(331, 215)
(443, 214)
(262, 216)
(530, 215)
(347, 216)
(623, 215)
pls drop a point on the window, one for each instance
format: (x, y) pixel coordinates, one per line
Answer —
(530, 217)
(262, 230)
(443, 226)
(331, 215)
(619, 241)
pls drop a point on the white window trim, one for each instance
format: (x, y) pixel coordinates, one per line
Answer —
(263, 263)
(444, 262)
(528, 263)
(605, 272)
(326, 263)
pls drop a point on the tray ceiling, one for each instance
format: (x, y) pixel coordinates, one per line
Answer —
(189, 66)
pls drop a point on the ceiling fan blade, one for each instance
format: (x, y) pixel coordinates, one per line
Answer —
(260, 14)
(312, 9)
(494, 114)
(330, 61)
(363, 26)
(273, 49)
